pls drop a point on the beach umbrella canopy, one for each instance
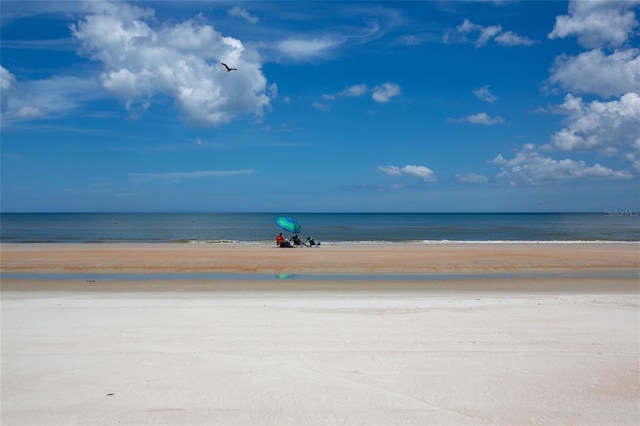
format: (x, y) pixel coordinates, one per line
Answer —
(288, 224)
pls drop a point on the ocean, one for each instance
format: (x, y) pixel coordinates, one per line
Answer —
(339, 228)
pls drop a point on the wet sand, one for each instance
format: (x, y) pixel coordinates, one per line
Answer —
(493, 334)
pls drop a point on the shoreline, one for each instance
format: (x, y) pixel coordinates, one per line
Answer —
(223, 242)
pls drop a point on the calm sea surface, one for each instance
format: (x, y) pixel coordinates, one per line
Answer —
(325, 227)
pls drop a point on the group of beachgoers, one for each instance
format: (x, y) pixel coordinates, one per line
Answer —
(295, 241)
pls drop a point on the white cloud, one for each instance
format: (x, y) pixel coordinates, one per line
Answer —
(351, 91)
(529, 167)
(484, 94)
(6, 78)
(420, 172)
(411, 40)
(355, 90)
(479, 118)
(484, 118)
(175, 177)
(596, 72)
(45, 98)
(6, 81)
(634, 159)
(241, 12)
(385, 92)
(304, 49)
(390, 170)
(273, 91)
(597, 23)
(358, 25)
(181, 61)
(471, 178)
(12, 11)
(467, 27)
(127, 84)
(381, 93)
(486, 34)
(610, 127)
(29, 112)
(320, 106)
(509, 38)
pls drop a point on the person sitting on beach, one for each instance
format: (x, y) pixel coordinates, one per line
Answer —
(282, 241)
(296, 240)
(311, 242)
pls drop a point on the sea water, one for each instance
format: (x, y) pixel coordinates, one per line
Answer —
(340, 228)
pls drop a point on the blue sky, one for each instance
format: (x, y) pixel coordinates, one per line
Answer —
(467, 106)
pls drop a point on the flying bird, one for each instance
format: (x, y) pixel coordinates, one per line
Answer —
(228, 67)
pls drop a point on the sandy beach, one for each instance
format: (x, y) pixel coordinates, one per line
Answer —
(129, 334)
(449, 258)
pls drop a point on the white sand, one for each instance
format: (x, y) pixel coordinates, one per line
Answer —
(202, 354)
(527, 334)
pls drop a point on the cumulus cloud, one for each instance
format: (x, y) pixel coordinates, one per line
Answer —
(479, 118)
(486, 34)
(598, 73)
(610, 127)
(529, 167)
(597, 23)
(6, 81)
(420, 172)
(6, 78)
(610, 67)
(181, 61)
(604, 127)
(385, 92)
(484, 94)
(634, 158)
(241, 12)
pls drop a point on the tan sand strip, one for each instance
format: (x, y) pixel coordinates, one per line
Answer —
(453, 258)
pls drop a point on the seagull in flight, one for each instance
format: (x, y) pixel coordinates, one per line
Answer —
(228, 67)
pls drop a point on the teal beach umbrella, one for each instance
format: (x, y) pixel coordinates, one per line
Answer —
(288, 224)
